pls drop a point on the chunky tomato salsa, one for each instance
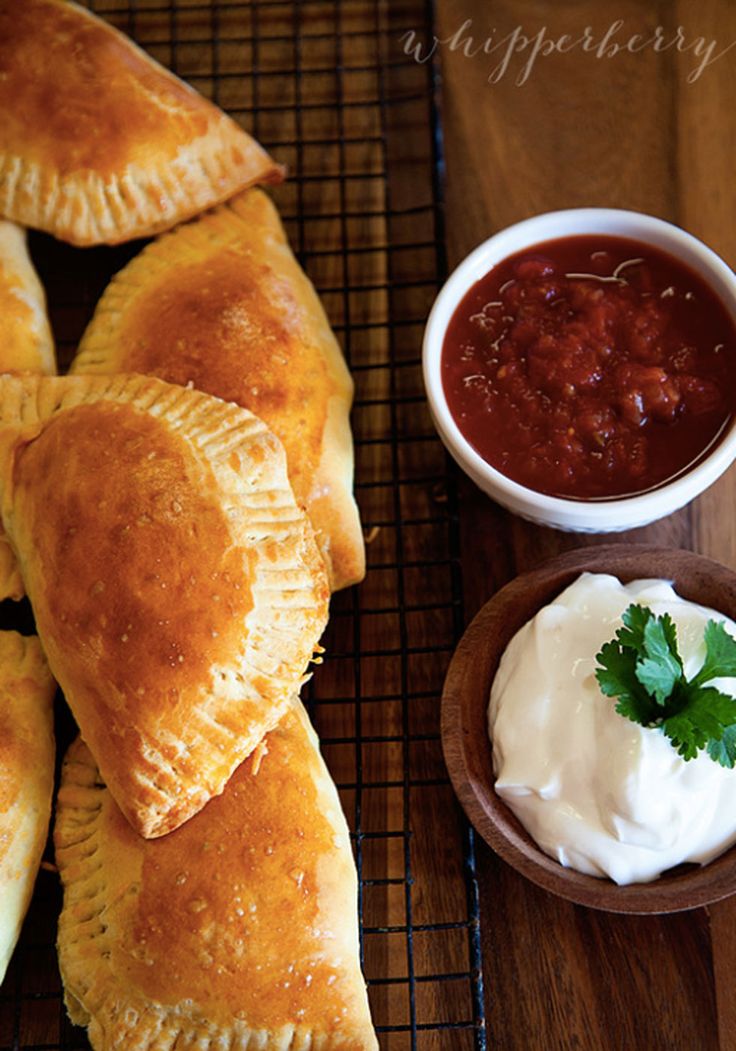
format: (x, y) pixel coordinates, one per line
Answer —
(591, 367)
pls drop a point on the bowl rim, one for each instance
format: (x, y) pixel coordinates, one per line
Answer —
(467, 748)
(638, 508)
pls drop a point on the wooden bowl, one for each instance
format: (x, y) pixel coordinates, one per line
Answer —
(467, 748)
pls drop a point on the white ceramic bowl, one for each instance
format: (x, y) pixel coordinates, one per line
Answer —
(607, 515)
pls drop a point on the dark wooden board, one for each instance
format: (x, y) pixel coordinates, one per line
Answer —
(627, 131)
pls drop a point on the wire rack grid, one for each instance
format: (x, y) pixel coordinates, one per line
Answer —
(327, 88)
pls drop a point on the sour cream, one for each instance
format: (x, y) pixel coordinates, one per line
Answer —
(597, 792)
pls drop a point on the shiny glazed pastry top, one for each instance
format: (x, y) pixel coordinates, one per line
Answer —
(177, 588)
(101, 144)
(222, 303)
(27, 345)
(26, 777)
(236, 931)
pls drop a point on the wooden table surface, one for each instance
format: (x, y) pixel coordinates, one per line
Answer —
(326, 86)
(625, 131)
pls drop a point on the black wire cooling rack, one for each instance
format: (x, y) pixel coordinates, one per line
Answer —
(328, 89)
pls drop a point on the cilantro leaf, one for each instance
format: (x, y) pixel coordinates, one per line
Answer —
(657, 677)
(660, 640)
(617, 678)
(720, 653)
(687, 739)
(643, 669)
(724, 750)
(669, 629)
(661, 669)
(704, 717)
(635, 619)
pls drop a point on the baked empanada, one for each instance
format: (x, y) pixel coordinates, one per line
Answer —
(237, 931)
(223, 304)
(26, 777)
(25, 344)
(177, 588)
(98, 142)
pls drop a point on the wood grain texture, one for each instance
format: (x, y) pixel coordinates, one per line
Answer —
(631, 132)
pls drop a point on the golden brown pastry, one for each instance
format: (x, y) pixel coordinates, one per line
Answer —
(237, 931)
(26, 777)
(177, 588)
(223, 304)
(99, 143)
(25, 344)
(25, 335)
(11, 584)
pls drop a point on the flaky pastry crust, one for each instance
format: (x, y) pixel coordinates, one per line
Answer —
(26, 343)
(177, 588)
(26, 777)
(98, 142)
(222, 303)
(237, 931)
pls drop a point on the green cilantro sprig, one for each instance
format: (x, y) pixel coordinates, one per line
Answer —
(643, 669)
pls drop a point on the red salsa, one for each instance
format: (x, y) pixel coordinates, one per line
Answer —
(591, 367)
